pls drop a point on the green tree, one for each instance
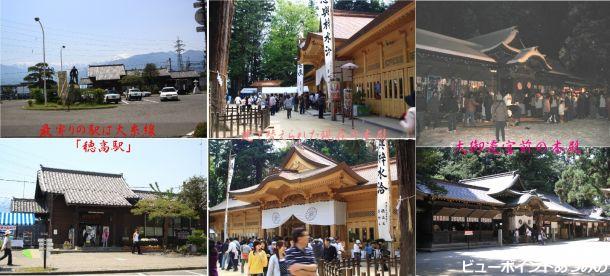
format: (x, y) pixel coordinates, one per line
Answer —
(247, 34)
(360, 5)
(150, 74)
(587, 47)
(279, 51)
(37, 74)
(167, 206)
(192, 193)
(131, 80)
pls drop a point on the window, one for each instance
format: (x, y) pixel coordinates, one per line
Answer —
(400, 86)
(372, 233)
(364, 234)
(385, 90)
(357, 233)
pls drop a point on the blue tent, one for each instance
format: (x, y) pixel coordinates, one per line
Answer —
(17, 219)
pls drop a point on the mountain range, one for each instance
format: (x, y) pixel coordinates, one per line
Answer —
(14, 73)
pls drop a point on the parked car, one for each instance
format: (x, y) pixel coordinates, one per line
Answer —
(132, 94)
(111, 96)
(168, 93)
(146, 93)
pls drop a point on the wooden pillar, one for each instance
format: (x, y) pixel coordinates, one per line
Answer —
(406, 178)
(333, 230)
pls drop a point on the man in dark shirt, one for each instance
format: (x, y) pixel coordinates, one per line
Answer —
(330, 252)
(299, 258)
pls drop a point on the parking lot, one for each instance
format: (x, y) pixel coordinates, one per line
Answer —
(169, 118)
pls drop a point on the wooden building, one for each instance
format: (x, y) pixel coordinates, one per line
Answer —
(310, 190)
(83, 201)
(106, 76)
(498, 61)
(381, 45)
(448, 211)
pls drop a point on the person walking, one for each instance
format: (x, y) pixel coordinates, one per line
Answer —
(433, 110)
(528, 235)
(245, 252)
(299, 257)
(471, 108)
(357, 251)
(329, 254)
(450, 105)
(321, 102)
(554, 104)
(488, 100)
(233, 255)
(272, 104)
(136, 242)
(7, 248)
(288, 105)
(499, 114)
(257, 260)
(277, 262)
(105, 236)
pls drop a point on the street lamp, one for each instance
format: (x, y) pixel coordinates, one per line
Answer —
(44, 60)
(61, 58)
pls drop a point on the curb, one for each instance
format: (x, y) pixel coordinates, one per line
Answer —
(104, 271)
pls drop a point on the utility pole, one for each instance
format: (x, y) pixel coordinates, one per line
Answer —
(44, 61)
(179, 49)
(61, 58)
(169, 61)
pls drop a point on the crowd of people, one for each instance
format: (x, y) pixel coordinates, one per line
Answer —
(278, 102)
(297, 255)
(507, 109)
(531, 236)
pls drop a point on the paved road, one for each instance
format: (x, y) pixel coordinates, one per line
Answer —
(571, 255)
(170, 119)
(588, 132)
(174, 272)
(107, 261)
(305, 124)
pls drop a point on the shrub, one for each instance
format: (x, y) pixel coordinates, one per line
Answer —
(30, 102)
(37, 95)
(201, 130)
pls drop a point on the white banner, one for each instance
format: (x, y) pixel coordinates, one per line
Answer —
(518, 221)
(229, 179)
(384, 210)
(300, 79)
(317, 213)
(325, 12)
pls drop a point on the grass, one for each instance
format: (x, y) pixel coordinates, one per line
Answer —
(55, 106)
(37, 269)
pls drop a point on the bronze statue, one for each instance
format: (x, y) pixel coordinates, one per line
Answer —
(74, 75)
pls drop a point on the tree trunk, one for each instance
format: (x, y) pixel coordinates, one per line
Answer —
(405, 151)
(221, 18)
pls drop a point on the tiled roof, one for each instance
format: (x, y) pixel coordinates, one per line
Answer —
(495, 183)
(106, 72)
(27, 205)
(183, 74)
(145, 194)
(86, 188)
(556, 204)
(456, 191)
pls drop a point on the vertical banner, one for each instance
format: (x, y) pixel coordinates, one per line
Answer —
(229, 178)
(325, 8)
(300, 79)
(384, 210)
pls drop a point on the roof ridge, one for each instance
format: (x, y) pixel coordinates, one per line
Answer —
(512, 28)
(43, 168)
(449, 37)
(101, 65)
(490, 176)
(460, 184)
(316, 152)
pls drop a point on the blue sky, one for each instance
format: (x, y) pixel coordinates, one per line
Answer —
(165, 161)
(94, 30)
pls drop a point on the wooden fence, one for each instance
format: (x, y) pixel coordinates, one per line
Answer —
(234, 121)
(389, 266)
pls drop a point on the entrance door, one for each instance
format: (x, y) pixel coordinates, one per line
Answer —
(89, 235)
(290, 225)
(394, 90)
